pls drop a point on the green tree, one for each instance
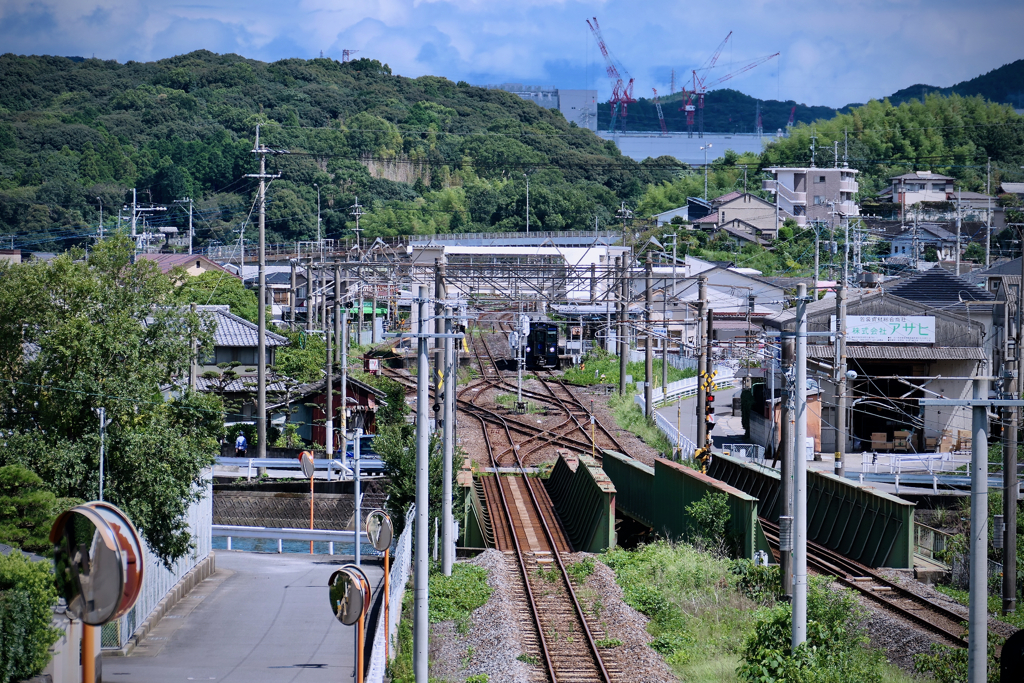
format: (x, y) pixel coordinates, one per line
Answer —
(215, 288)
(27, 510)
(27, 598)
(77, 334)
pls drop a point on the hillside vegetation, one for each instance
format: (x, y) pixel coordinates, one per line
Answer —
(423, 155)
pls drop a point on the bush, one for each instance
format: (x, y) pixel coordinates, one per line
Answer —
(709, 519)
(834, 650)
(453, 598)
(27, 509)
(27, 597)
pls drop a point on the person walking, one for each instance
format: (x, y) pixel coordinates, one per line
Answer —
(241, 445)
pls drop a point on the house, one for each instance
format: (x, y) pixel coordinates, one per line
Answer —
(912, 242)
(307, 404)
(815, 194)
(193, 265)
(10, 255)
(698, 208)
(902, 351)
(743, 232)
(918, 186)
(666, 217)
(750, 209)
(1012, 188)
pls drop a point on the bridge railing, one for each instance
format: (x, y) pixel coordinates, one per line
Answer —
(400, 566)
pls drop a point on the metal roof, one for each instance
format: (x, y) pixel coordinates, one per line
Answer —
(892, 352)
(232, 330)
(939, 286)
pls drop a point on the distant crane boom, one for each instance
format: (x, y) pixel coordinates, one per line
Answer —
(661, 116)
(622, 88)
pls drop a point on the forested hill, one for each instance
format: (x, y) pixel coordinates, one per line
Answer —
(1004, 85)
(422, 155)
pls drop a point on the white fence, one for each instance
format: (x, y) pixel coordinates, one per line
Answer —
(400, 565)
(899, 463)
(687, 448)
(158, 581)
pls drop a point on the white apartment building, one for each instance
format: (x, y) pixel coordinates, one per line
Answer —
(811, 193)
(920, 186)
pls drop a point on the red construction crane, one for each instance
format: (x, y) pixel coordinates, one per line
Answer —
(622, 89)
(661, 116)
(689, 108)
(792, 115)
(700, 78)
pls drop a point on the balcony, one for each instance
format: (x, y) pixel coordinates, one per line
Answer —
(848, 186)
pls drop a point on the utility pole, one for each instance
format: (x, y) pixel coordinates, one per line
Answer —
(958, 196)
(292, 298)
(649, 345)
(329, 407)
(840, 379)
(527, 204)
(357, 439)
(357, 211)
(448, 435)
(800, 472)
(1015, 361)
(261, 364)
(988, 214)
(705, 148)
(187, 200)
(703, 362)
(440, 295)
(100, 199)
(816, 250)
(977, 610)
(337, 314)
(309, 295)
(343, 343)
(787, 431)
(421, 625)
(319, 234)
(664, 318)
(623, 317)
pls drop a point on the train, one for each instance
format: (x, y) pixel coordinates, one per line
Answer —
(542, 347)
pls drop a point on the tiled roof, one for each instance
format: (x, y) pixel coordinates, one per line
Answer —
(900, 352)
(1012, 188)
(1011, 267)
(711, 218)
(165, 262)
(939, 286)
(920, 175)
(235, 386)
(728, 197)
(235, 331)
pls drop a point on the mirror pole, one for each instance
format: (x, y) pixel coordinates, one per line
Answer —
(311, 511)
(361, 626)
(89, 653)
(387, 603)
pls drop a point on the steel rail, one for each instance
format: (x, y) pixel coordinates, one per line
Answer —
(843, 569)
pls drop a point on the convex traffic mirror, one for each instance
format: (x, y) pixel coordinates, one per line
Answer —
(97, 562)
(349, 594)
(379, 530)
(308, 467)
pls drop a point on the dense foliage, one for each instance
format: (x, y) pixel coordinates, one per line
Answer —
(80, 333)
(74, 131)
(27, 598)
(27, 509)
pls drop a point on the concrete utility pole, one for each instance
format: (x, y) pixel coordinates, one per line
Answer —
(593, 282)
(649, 343)
(100, 200)
(440, 295)
(787, 431)
(817, 249)
(421, 625)
(988, 214)
(623, 316)
(193, 357)
(705, 149)
(292, 298)
(329, 403)
(357, 211)
(309, 295)
(841, 379)
(357, 477)
(800, 472)
(702, 359)
(977, 609)
(1010, 488)
(343, 343)
(337, 314)
(958, 196)
(664, 318)
(448, 435)
(527, 204)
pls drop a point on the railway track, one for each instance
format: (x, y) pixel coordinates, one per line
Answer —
(932, 617)
(520, 510)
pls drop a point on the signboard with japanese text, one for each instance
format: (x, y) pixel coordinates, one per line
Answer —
(889, 329)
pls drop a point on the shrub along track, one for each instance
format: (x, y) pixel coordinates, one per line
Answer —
(926, 614)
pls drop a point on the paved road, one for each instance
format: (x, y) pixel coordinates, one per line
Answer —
(260, 618)
(726, 425)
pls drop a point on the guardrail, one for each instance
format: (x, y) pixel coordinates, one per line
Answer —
(331, 465)
(686, 447)
(288, 534)
(925, 462)
(400, 565)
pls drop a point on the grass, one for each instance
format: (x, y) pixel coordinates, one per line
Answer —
(628, 416)
(508, 402)
(995, 604)
(453, 598)
(600, 367)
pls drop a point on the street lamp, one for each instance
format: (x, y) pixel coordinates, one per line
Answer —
(527, 204)
(317, 212)
(706, 148)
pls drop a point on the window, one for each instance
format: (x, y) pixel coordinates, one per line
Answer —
(723, 217)
(938, 187)
(799, 209)
(819, 179)
(198, 265)
(819, 200)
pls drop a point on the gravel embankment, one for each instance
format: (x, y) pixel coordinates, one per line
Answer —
(624, 623)
(492, 641)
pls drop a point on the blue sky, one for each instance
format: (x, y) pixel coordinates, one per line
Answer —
(832, 52)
